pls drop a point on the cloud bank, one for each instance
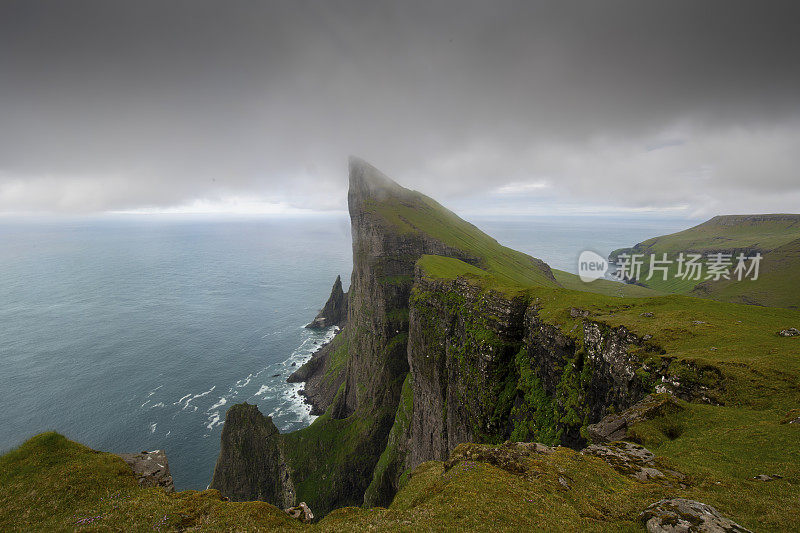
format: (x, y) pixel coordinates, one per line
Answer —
(681, 106)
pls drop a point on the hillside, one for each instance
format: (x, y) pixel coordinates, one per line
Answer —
(775, 237)
(456, 356)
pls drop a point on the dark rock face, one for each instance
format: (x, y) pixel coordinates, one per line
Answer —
(476, 356)
(462, 344)
(251, 463)
(679, 515)
(383, 272)
(334, 313)
(150, 468)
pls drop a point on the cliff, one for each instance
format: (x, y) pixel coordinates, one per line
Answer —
(251, 464)
(452, 338)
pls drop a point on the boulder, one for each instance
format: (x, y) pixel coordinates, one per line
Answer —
(630, 459)
(301, 512)
(790, 332)
(615, 427)
(150, 468)
(509, 456)
(679, 515)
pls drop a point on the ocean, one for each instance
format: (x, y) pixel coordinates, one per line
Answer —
(131, 333)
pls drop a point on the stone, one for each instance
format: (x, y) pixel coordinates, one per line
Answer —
(615, 427)
(790, 332)
(574, 312)
(679, 515)
(509, 456)
(150, 468)
(631, 460)
(301, 512)
(792, 417)
(765, 477)
(648, 314)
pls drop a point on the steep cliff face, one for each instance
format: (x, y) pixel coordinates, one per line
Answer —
(488, 367)
(384, 255)
(426, 361)
(251, 464)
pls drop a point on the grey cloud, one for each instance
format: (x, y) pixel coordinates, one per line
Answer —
(116, 105)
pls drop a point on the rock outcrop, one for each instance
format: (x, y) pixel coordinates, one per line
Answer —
(150, 468)
(301, 512)
(615, 426)
(631, 460)
(334, 313)
(251, 464)
(679, 515)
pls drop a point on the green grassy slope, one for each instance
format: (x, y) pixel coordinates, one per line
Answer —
(415, 212)
(729, 232)
(775, 237)
(721, 447)
(778, 283)
(53, 484)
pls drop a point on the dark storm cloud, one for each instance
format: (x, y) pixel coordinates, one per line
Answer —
(119, 105)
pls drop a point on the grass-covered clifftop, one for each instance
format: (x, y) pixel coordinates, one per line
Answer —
(775, 237)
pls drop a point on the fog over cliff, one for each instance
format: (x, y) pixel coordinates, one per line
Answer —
(683, 107)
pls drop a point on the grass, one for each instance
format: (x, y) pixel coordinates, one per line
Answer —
(53, 484)
(775, 237)
(603, 286)
(721, 447)
(777, 284)
(414, 212)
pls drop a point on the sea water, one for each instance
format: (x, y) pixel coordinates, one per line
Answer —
(137, 333)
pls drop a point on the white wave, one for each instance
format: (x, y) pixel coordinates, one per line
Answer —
(222, 401)
(154, 391)
(213, 421)
(181, 400)
(159, 404)
(244, 382)
(262, 390)
(209, 391)
(153, 427)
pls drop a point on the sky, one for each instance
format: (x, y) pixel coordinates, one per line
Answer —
(681, 108)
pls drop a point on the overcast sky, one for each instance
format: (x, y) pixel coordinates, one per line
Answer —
(689, 107)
